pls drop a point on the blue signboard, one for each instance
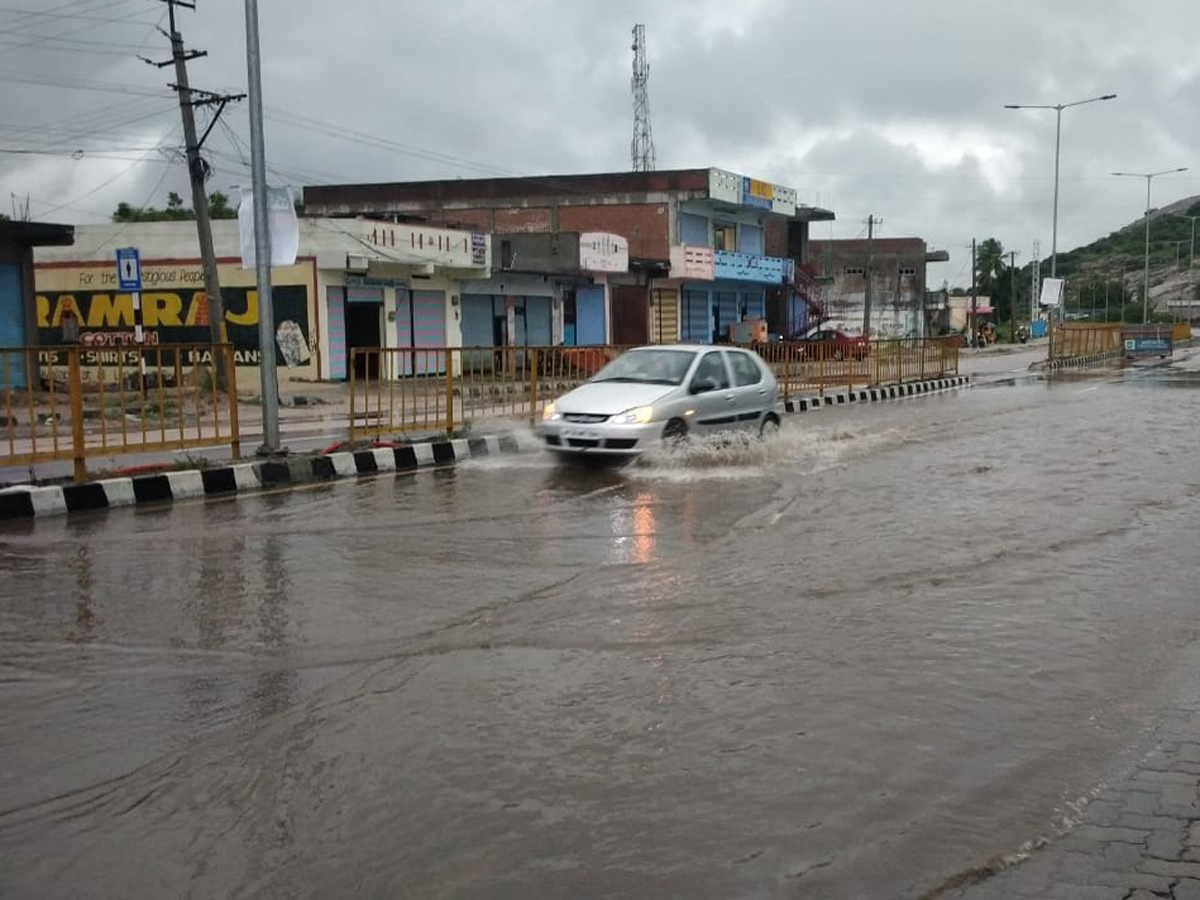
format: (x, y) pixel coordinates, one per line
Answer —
(129, 269)
(757, 193)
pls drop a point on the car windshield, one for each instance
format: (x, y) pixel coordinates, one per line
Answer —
(648, 367)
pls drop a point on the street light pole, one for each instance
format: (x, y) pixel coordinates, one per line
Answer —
(1149, 176)
(1058, 108)
(1192, 259)
(262, 239)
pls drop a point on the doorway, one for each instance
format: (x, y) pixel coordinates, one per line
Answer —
(363, 330)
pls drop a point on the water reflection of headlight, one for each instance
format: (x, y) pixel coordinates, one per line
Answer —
(643, 529)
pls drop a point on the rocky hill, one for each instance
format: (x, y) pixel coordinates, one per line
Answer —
(1121, 254)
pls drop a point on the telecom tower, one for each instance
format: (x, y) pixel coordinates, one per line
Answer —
(642, 147)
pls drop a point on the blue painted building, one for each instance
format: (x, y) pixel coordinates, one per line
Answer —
(735, 257)
(18, 320)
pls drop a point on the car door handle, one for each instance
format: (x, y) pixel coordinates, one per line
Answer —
(762, 392)
(731, 399)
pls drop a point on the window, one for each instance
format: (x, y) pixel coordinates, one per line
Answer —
(725, 236)
(855, 270)
(908, 272)
(752, 240)
(745, 369)
(711, 372)
(693, 230)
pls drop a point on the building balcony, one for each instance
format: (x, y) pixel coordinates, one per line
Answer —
(691, 263)
(729, 266)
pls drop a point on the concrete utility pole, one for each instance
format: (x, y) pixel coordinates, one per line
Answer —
(262, 240)
(1012, 299)
(1122, 294)
(974, 298)
(870, 273)
(198, 171)
(1035, 270)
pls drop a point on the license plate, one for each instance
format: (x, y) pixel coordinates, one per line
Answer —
(580, 434)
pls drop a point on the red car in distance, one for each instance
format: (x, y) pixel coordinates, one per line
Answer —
(832, 343)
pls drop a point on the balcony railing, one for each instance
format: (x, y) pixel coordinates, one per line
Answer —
(751, 267)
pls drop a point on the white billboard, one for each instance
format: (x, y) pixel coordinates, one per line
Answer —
(602, 252)
(1052, 289)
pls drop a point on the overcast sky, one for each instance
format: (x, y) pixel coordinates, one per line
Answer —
(884, 107)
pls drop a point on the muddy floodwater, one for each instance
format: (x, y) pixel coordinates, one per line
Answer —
(900, 641)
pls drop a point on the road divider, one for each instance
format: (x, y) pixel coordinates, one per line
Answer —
(875, 394)
(35, 501)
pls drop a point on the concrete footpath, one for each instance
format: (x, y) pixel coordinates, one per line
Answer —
(24, 501)
(1137, 839)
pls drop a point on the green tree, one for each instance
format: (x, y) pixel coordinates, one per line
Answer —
(219, 208)
(174, 211)
(989, 266)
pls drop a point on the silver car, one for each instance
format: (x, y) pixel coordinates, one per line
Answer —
(663, 393)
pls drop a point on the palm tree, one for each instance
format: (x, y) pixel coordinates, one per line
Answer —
(989, 265)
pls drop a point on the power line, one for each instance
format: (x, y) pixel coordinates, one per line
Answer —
(64, 35)
(78, 154)
(103, 184)
(73, 16)
(81, 84)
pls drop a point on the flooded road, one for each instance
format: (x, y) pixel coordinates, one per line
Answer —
(900, 641)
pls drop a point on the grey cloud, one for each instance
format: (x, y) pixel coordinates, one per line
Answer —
(802, 93)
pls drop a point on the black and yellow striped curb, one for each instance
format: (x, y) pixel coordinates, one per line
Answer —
(31, 501)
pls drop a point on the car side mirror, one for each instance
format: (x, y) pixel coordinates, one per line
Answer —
(702, 386)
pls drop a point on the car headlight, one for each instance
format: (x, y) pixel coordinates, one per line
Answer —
(639, 415)
(550, 413)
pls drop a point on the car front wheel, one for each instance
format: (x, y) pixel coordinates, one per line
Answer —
(675, 433)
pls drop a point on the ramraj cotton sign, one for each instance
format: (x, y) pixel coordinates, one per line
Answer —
(107, 319)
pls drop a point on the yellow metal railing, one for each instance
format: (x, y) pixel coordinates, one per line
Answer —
(76, 403)
(399, 390)
(803, 367)
(1073, 339)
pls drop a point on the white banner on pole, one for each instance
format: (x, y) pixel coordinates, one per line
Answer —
(282, 226)
(1051, 292)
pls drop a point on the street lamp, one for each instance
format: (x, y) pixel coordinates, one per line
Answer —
(1146, 283)
(1192, 260)
(1058, 108)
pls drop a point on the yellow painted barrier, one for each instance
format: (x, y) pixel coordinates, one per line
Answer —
(80, 403)
(398, 391)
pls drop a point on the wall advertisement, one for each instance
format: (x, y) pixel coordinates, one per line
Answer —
(106, 321)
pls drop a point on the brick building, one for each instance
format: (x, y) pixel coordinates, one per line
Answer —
(686, 252)
(896, 269)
